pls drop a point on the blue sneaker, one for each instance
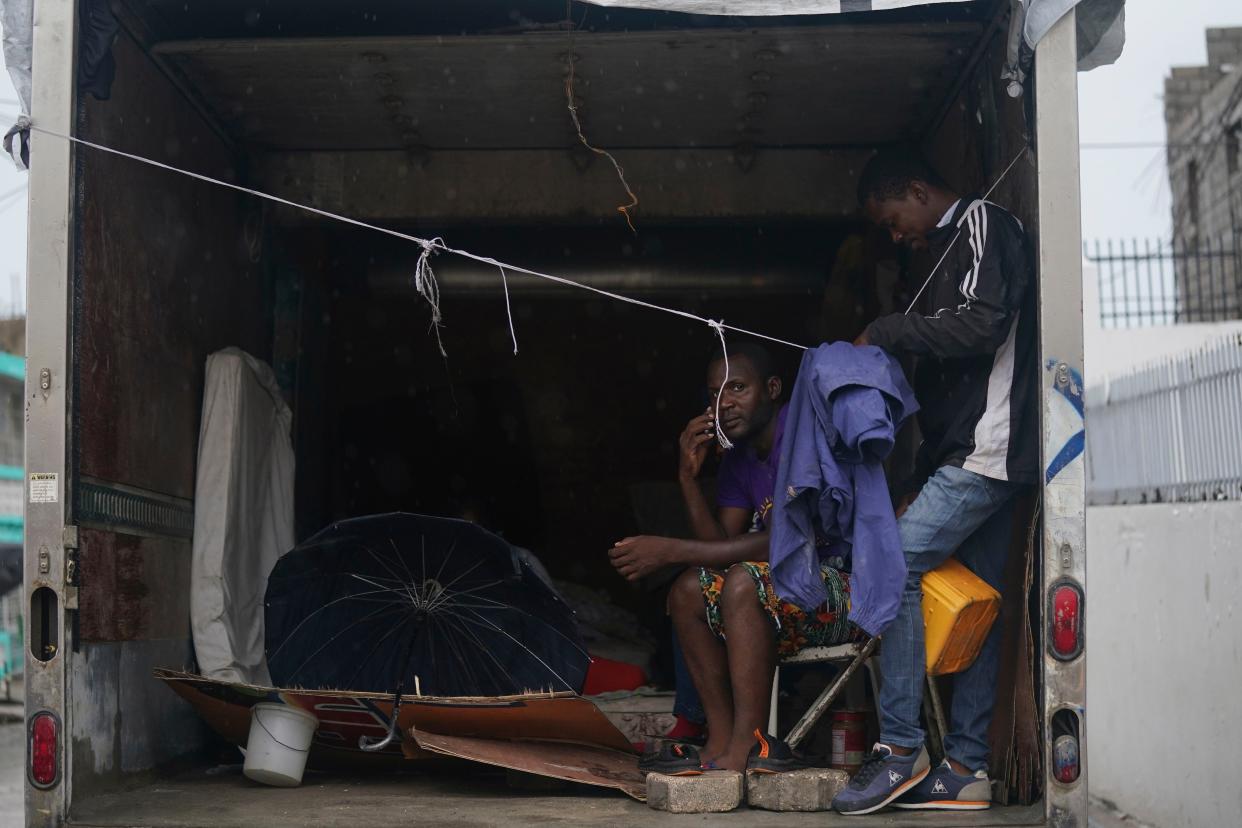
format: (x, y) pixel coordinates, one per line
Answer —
(946, 790)
(883, 777)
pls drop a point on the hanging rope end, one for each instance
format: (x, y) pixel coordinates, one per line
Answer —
(718, 326)
(428, 287)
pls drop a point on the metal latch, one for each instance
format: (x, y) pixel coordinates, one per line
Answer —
(69, 540)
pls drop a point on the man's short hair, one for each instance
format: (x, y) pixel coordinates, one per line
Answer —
(759, 356)
(889, 173)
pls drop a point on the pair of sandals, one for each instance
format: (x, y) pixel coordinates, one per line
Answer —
(769, 755)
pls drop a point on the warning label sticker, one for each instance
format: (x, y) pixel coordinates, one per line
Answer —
(44, 487)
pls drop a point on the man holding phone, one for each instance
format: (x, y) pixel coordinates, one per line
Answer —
(729, 621)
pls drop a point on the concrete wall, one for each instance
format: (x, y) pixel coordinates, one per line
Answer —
(1165, 667)
(1202, 110)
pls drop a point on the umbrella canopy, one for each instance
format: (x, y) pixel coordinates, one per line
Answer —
(371, 603)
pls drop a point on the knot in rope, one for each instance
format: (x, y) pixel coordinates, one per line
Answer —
(427, 286)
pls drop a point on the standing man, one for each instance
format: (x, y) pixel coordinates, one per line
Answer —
(974, 338)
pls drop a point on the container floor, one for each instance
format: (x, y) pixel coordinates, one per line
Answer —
(223, 797)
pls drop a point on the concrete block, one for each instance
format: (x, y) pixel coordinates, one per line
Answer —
(812, 789)
(710, 793)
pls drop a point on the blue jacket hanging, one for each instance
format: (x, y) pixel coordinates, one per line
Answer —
(846, 409)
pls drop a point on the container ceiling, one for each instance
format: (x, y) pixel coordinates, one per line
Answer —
(808, 86)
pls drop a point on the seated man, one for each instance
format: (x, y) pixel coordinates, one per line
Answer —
(728, 620)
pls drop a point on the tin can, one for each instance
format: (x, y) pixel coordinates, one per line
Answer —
(849, 740)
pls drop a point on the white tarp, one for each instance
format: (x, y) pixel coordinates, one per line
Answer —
(1101, 28)
(766, 8)
(243, 514)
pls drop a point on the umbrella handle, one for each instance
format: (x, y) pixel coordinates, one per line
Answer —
(369, 745)
(364, 742)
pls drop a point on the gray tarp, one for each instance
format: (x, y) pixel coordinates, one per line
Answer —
(17, 21)
(17, 28)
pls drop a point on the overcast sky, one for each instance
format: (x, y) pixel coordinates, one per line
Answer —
(1124, 191)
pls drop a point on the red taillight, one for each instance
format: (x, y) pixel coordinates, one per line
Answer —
(1065, 759)
(44, 749)
(1065, 620)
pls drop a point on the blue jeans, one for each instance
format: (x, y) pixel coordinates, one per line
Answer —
(686, 701)
(963, 512)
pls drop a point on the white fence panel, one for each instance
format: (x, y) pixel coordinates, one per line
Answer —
(1171, 431)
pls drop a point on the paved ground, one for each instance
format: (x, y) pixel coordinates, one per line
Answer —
(1105, 815)
(12, 759)
(228, 800)
(222, 797)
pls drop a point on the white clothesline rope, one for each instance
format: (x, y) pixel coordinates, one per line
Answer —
(427, 286)
(958, 234)
(428, 245)
(424, 277)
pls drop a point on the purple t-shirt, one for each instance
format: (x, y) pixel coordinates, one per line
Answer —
(745, 481)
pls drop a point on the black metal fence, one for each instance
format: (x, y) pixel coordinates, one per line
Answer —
(1145, 282)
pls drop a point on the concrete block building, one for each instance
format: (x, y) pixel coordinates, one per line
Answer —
(1203, 115)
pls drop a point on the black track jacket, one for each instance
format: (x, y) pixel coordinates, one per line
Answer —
(974, 336)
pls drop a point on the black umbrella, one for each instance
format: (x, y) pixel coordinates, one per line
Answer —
(371, 603)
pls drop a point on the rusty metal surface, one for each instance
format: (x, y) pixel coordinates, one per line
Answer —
(133, 588)
(164, 280)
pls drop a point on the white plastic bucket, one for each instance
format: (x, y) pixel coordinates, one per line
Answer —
(280, 738)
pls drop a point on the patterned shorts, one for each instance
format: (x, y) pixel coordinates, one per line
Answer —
(795, 628)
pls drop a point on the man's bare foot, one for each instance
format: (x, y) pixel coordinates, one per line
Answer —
(734, 760)
(737, 754)
(714, 749)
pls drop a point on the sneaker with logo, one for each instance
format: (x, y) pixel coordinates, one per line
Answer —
(883, 777)
(945, 789)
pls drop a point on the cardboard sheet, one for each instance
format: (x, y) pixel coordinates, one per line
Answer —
(589, 765)
(345, 716)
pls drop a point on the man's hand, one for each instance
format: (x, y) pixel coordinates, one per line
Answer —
(862, 339)
(693, 445)
(638, 557)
